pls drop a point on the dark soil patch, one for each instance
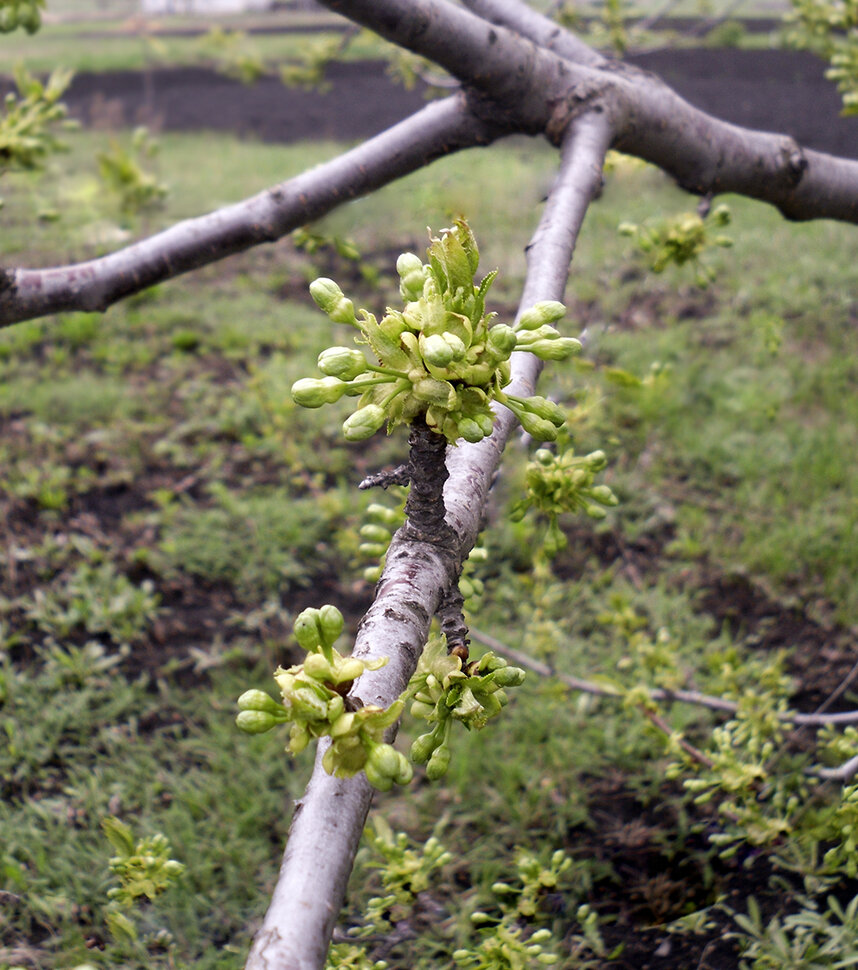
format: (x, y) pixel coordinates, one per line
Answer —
(770, 90)
(783, 91)
(360, 101)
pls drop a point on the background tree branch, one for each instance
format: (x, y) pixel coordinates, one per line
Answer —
(439, 129)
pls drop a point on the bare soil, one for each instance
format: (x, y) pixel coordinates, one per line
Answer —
(781, 91)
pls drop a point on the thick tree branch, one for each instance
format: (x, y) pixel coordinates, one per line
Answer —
(329, 818)
(440, 128)
(544, 90)
(543, 31)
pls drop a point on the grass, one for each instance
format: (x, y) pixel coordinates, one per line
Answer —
(88, 38)
(177, 510)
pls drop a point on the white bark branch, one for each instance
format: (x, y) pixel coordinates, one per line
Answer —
(440, 128)
(329, 819)
(543, 90)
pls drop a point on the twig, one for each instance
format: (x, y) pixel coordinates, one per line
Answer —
(329, 819)
(656, 694)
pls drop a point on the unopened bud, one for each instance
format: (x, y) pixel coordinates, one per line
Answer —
(364, 423)
(470, 430)
(256, 722)
(546, 311)
(342, 362)
(422, 747)
(435, 350)
(311, 392)
(558, 349)
(438, 763)
(440, 393)
(537, 427)
(330, 623)
(306, 628)
(258, 700)
(329, 297)
(384, 758)
(501, 341)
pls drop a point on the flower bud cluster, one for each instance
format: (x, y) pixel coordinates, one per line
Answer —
(444, 692)
(564, 483)
(21, 13)
(682, 239)
(313, 702)
(376, 534)
(440, 357)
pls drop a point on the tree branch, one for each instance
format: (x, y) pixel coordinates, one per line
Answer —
(329, 818)
(440, 128)
(657, 694)
(544, 91)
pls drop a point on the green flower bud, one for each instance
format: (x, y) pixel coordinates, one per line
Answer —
(379, 781)
(438, 763)
(374, 533)
(596, 461)
(423, 710)
(558, 349)
(486, 421)
(258, 700)
(603, 495)
(439, 393)
(299, 738)
(508, 676)
(336, 706)
(537, 427)
(501, 341)
(311, 392)
(307, 630)
(308, 705)
(435, 350)
(374, 549)
(342, 725)
(383, 514)
(317, 667)
(524, 338)
(405, 772)
(350, 669)
(342, 362)
(256, 722)
(329, 297)
(384, 759)
(595, 511)
(422, 747)
(331, 623)
(364, 423)
(545, 409)
(412, 275)
(546, 311)
(470, 430)
(372, 574)
(457, 344)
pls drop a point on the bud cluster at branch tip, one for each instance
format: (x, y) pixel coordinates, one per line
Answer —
(441, 358)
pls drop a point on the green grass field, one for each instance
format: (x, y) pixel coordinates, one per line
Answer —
(167, 511)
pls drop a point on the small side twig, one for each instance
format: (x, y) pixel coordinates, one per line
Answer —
(658, 693)
(400, 475)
